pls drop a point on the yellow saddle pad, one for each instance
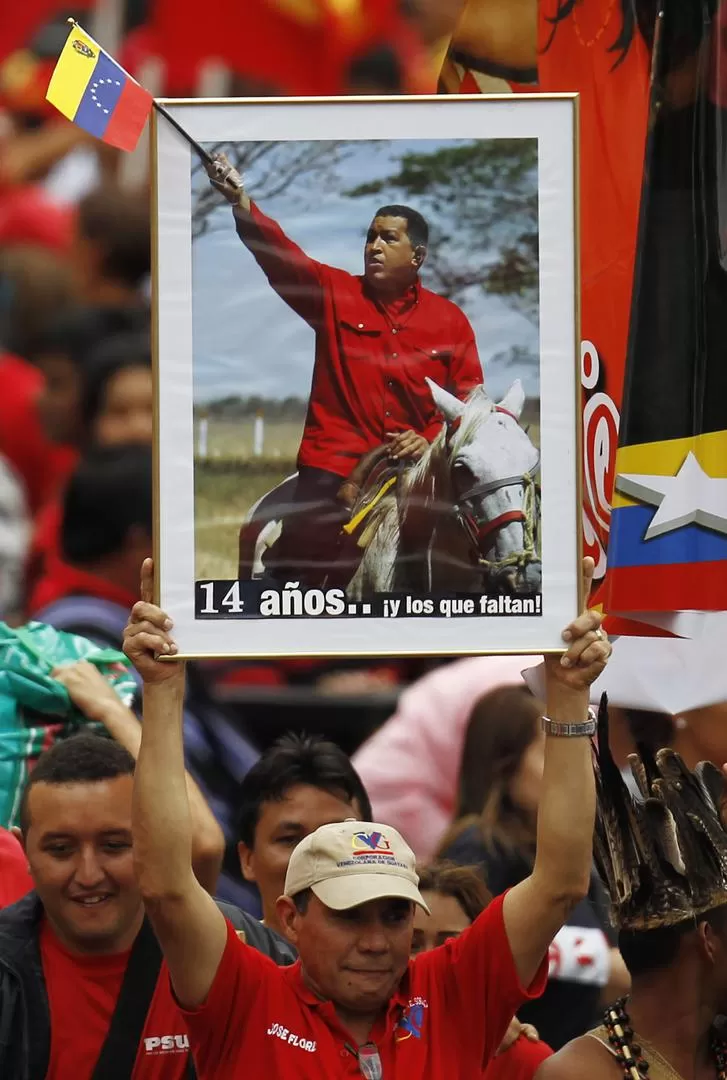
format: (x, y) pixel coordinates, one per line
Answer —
(371, 499)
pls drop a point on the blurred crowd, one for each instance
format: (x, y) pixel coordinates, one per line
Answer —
(449, 753)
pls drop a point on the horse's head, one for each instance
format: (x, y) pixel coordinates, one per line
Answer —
(492, 465)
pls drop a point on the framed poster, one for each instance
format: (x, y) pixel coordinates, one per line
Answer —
(366, 371)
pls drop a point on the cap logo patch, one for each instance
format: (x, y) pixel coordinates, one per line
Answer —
(365, 843)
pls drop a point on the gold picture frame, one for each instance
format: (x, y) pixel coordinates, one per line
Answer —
(188, 329)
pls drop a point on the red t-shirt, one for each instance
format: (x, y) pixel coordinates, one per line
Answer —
(520, 1062)
(370, 360)
(15, 881)
(82, 993)
(447, 1019)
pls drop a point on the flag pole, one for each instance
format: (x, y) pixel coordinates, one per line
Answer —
(204, 155)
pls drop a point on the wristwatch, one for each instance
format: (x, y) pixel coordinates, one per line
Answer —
(587, 727)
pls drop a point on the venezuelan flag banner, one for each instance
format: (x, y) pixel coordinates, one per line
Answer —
(597, 48)
(668, 542)
(95, 92)
(669, 525)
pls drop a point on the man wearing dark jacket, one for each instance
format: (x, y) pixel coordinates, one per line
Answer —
(82, 989)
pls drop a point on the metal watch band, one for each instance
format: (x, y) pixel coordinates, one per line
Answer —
(587, 727)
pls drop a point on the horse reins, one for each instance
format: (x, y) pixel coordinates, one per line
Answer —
(479, 534)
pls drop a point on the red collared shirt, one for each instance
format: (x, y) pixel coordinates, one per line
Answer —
(370, 359)
(446, 1020)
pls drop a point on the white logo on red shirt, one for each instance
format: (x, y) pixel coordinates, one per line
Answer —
(289, 1037)
(166, 1044)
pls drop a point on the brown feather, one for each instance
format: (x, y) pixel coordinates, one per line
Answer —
(663, 857)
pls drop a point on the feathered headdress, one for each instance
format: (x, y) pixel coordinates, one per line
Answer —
(663, 856)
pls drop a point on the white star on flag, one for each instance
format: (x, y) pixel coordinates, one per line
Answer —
(692, 497)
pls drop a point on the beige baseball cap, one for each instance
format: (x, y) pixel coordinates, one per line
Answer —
(351, 862)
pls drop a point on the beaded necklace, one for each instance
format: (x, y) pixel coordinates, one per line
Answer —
(629, 1054)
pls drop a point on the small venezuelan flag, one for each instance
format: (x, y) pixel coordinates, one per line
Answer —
(95, 92)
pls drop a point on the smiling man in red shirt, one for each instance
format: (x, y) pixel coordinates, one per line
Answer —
(378, 336)
(354, 1004)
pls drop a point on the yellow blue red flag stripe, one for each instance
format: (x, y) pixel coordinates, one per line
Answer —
(95, 92)
(683, 564)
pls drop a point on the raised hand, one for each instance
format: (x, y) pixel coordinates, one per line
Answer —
(147, 635)
(588, 647)
(225, 178)
(88, 689)
(513, 1033)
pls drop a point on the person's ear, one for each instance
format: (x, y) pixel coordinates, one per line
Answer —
(246, 856)
(289, 918)
(420, 254)
(711, 943)
(18, 834)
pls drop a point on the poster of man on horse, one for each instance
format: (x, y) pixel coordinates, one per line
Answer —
(367, 368)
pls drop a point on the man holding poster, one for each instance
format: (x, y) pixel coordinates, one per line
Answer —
(355, 1005)
(379, 335)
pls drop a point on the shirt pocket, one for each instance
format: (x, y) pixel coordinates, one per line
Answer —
(359, 341)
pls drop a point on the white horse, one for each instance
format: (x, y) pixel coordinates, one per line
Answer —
(466, 515)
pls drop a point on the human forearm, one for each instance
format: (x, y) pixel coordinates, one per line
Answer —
(208, 842)
(537, 907)
(290, 271)
(161, 820)
(190, 928)
(121, 724)
(567, 806)
(241, 209)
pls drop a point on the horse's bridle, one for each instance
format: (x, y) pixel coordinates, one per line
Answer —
(479, 533)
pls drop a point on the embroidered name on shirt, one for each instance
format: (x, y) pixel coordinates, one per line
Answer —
(292, 1039)
(412, 1021)
(166, 1044)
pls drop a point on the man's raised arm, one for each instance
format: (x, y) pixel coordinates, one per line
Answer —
(536, 908)
(294, 275)
(191, 930)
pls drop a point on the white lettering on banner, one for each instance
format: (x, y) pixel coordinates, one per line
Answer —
(600, 439)
(510, 605)
(289, 1037)
(166, 1044)
(295, 601)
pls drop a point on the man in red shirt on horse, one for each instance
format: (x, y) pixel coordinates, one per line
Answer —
(378, 335)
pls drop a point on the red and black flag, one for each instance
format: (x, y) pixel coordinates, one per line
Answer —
(668, 541)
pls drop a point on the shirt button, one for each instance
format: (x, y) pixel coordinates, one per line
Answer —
(390, 383)
(344, 1053)
(388, 413)
(394, 330)
(434, 352)
(360, 326)
(394, 355)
